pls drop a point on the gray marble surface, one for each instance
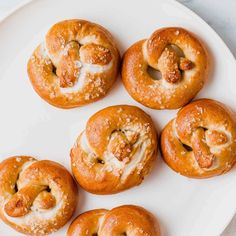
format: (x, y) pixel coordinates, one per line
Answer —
(219, 14)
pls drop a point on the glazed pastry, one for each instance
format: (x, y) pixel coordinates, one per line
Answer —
(123, 220)
(36, 197)
(76, 65)
(201, 141)
(182, 61)
(116, 150)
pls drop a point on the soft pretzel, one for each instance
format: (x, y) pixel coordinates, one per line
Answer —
(36, 197)
(201, 141)
(76, 65)
(182, 75)
(124, 220)
(116, 150)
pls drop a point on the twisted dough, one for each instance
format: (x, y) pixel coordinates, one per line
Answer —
(116, 150)
(201, 141)
(36, 197)
(124, 220)
(76, 65)
(182, 75)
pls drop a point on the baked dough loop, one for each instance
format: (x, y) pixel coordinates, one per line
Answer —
(124, 220)
(201, 141)
(116, 150)
(36, 197)
(180, 58)
(76, 65)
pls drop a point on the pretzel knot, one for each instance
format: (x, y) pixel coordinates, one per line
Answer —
(77, 64)
(116, 150)
(180, 58)
(201, 141)
(123, 220)
(36, 197)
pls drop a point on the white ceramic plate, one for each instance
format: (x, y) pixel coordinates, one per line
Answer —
(28, 125)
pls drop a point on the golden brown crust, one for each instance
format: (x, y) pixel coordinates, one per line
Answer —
(36, 197)
(201, 141)
(76, 65)
(182, 75)
(123, 220)
(116, 150)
